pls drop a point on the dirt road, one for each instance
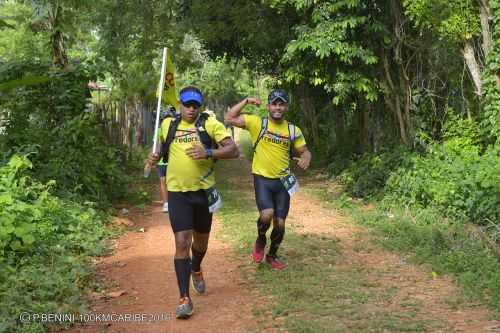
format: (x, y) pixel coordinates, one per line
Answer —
(141, 279)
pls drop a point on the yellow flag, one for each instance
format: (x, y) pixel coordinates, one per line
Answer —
(169, 95)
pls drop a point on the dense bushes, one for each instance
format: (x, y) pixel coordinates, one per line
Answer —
(458, 176)
(51, 120)
(51, 147)
(462, 183)
(368, 175)
(45, 243)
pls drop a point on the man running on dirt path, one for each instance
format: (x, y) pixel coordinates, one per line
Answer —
(273, 140)
(190, 182)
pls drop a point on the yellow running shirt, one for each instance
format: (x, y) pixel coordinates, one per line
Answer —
(185, 174)
(271, 156)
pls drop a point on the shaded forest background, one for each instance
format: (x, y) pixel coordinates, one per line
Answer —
(399, 102)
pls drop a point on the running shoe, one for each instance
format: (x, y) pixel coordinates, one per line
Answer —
(198, 282)
(165, 207)
(185, 308)
(257, 253)
(275, 263)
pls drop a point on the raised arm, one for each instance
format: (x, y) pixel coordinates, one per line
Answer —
(234, 117)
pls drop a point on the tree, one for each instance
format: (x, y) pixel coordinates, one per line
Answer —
(460, 22)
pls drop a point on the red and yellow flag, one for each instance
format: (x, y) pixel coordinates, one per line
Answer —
(169, 95)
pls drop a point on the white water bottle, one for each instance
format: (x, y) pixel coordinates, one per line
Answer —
(147, 169)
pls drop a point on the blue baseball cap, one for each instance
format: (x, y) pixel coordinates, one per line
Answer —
(277, 94)
(191, 94)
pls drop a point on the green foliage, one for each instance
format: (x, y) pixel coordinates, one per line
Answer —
(333, 30)
(223, 82)
(462, 183)
(21, 42)
(235, 29)
(45, 244)
(367, 176)
(490, 120)
(52, 121)
(462, 134)
(459, 177)
(456, 20)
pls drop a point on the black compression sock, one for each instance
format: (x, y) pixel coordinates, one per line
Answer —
(197, 258)
(183, 273)
(261, 230)
(276, 237)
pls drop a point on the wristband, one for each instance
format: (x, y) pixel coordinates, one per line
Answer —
(209, 153)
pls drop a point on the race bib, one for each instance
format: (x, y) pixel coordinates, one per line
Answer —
(291, 184)
(214, 199)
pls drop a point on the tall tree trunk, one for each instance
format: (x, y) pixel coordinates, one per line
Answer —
(340, 136)
(405, 88)
(393, 99)
(401, 91)
(59, 55)
(126, 124)
(472, 65)
(364, 129)
(486, 18)
(307, 107)
(138, 124)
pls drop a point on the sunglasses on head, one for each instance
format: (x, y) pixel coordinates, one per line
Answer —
(191, 104)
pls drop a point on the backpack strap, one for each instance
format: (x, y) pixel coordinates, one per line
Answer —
(291, 133)
(172, 129)
(263, 129)
(206, 140)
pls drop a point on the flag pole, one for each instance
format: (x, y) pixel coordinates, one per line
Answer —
(147, 167)
(158, 106)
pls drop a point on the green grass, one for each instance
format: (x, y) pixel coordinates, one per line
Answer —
(318, 292)
(245, 145)
(425, 237)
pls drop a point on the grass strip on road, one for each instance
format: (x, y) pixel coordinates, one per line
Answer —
(318, 292)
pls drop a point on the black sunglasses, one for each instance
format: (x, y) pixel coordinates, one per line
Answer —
(191, 104)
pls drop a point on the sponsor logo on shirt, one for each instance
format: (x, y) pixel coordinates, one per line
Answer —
(186, 136)
(276, 138)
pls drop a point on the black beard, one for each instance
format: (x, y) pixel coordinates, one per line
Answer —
(274, 118)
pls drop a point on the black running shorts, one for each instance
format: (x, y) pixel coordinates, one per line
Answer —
(189, 211)
(271, 193)
(162, 170)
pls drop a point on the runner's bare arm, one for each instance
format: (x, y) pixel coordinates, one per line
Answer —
(305, 157)
(233, 116)
(227, 149)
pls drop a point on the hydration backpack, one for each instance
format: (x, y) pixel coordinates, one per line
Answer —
(263, 129)
(206, 140)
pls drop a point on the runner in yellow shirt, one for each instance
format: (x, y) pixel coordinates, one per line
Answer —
(274, 139)
(190, 182)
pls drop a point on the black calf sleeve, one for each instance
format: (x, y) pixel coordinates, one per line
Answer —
(183, 273)
(261, 230)
(197, 258)
(276, 237)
